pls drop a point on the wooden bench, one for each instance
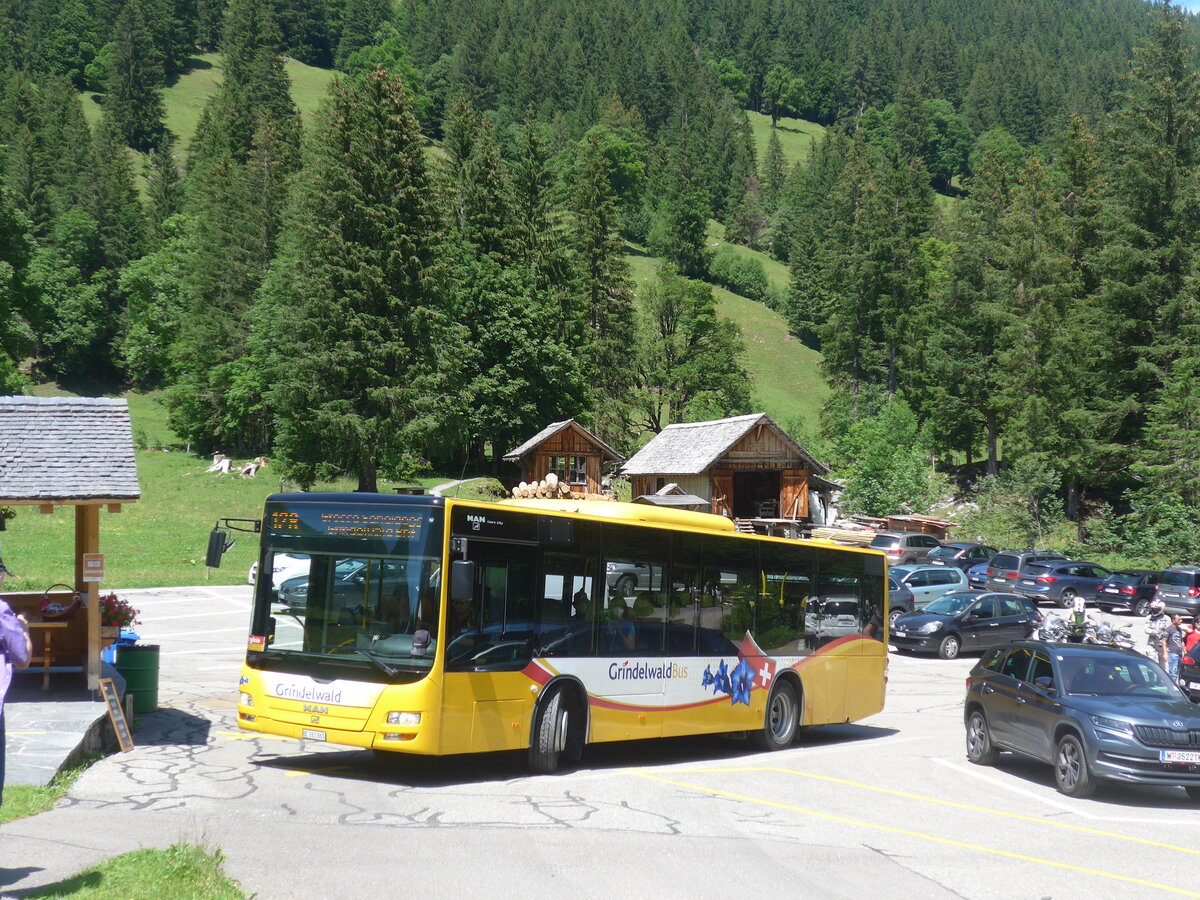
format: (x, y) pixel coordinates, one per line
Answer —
(56, 642)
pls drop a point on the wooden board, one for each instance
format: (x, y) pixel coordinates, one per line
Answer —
(116, 715)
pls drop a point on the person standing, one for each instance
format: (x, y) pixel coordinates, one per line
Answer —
(1155, 626)
(15, 650)
(1172, 642)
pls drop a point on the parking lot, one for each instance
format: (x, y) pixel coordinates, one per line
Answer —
(890, 804)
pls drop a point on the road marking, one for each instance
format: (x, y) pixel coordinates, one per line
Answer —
(991, 851)
(1068, 826)
(1052, 801)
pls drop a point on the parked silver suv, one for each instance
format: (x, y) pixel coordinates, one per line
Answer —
(905, 546)
(1179, 588)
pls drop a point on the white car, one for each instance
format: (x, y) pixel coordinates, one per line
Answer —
(283, 567)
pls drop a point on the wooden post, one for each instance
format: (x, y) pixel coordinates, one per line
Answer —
(88, 516)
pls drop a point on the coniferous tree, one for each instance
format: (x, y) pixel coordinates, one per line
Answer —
(354, 290)
(361, 20)
(131, 96)
(164, 190)
(774, 175)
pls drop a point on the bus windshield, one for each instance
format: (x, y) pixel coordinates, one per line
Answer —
(345, 605)
(354, 586)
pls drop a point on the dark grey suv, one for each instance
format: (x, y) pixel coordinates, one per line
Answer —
(1093, 713)
(1179, 588)
(1004, 568)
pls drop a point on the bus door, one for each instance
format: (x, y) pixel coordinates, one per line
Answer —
(490, 640)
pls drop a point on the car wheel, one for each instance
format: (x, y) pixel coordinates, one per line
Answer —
(625, 586)
(893, 615)
(1071, 772)
(779, 724)
(1141, 607)
(1066, 598)
(980, 749)
(949, 647)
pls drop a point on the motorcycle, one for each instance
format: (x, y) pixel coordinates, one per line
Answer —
(1074, 631)
(1113, 635)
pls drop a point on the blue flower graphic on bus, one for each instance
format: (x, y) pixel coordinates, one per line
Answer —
(741, 682)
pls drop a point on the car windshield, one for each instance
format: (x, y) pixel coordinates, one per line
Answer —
(1125, 577)
(1105, 677)
(1177, 578)
(950, 605)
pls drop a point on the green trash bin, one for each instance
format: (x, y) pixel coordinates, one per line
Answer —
(138, 665)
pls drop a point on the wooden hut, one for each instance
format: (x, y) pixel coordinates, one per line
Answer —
(568, 450)
(76, 452)
(745, 467)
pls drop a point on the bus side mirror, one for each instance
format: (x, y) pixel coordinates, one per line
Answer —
(216, 547)
(462, 579)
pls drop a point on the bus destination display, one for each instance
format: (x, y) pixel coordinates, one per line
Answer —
(404, 526)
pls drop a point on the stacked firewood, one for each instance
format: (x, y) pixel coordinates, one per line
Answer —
(550, 488)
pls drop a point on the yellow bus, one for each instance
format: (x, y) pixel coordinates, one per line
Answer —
(439, 626)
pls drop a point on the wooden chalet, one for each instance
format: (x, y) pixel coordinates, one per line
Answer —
(568, 450)
(745, 467)
(74, 452)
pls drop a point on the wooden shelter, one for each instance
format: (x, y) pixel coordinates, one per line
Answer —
(77, 452)
(568, 450)
(745, 467)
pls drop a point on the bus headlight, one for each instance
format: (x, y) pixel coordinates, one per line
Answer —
(245, 699)
(404, 718)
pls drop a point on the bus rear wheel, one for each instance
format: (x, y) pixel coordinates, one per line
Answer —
(780, 721)
(549, 736)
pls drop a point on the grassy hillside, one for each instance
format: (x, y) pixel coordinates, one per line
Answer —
(184, 100)
(786, 380)
(796, 136)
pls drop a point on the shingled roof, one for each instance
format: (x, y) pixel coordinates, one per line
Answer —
(61, 449)
(554, 428)
(691, 448)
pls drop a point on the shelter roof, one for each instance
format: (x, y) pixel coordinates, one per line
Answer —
(554, 428)
(693, 447)
(62, 449)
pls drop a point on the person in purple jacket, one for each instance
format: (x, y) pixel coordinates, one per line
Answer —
(15, 650)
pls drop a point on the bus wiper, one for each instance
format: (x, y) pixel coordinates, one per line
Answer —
(388, 669)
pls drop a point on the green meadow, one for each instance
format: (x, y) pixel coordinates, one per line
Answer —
(796, 136)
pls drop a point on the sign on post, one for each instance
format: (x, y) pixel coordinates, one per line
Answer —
(116, 715)
(93, 567)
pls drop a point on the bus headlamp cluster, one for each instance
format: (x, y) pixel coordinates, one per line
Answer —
(404, 718)
(245, 699)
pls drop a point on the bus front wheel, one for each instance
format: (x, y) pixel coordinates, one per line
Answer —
(780, 721)
(549, 737)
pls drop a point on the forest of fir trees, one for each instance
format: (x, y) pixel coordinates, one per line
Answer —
(992, 247)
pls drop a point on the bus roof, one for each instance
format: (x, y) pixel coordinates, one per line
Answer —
(630, 512)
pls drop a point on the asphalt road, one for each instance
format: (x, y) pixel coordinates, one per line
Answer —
(889, 806)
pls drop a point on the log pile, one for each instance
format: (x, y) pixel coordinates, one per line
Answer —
(550, 488)
(844, 535)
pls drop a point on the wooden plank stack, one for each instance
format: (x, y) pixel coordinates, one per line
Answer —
(844, 535)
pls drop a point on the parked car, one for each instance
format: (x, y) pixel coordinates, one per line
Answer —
(283, 567)
(929, 582)
(900, 600)
(624, 579)
(1179, 588)
(1004, 568)
(962, 554)
(977, 576)
(1093, 713)
(965, 620)
(1060, 582)
(1131, 589)
(904, 546)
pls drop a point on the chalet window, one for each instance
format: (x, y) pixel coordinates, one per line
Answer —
(571, 469)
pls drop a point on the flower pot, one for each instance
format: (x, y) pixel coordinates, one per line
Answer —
(110, 633)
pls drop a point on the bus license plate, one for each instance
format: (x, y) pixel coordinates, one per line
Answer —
(310, 735)
(1179, 756)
